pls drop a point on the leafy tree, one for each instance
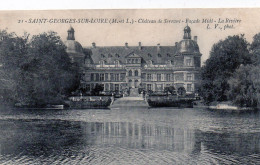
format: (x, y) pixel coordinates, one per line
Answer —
(12, 52)
(255, 49)
(245, 86)
(97, 89)
(169, 89)
(40, 68)
(181, 91)
(225, 57)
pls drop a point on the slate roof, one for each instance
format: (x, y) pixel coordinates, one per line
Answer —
(113, 53)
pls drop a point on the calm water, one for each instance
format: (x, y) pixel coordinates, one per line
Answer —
(129, 136)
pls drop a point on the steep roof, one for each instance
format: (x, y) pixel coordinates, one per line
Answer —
(113, 53)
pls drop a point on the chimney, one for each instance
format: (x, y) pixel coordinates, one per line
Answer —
(176, 43)
(158, 47)
(195, 38)
(93, 45)
(140, 45)
(126, 45)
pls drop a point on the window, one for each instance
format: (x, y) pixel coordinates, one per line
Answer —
(149, 55)
(168, 77)
(117, 63)
(159, 55)
(116, 87)
(117, 56)
(136, 72)
(106, 87)
(92, 77)
(117, 77)
(102, 77)
(110, 55)
(133, 61)
(122, 76)
(159, 77)
(102, 63)
(189, 88)
(188, 62)
(87, 87)
(97, 77)
(168, 55)
(130, 73)
(149, 77)
(149, 86)
(189, 77)
(106, 76)
(136, 60)
(129, 61)
(111, 76)
(102, 56)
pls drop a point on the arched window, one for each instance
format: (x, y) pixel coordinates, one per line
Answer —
(130, 73)
(136, 72)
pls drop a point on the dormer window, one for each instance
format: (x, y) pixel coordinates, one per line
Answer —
(117, 56)
(168, 55)
(150, 62)
(159, 55)
(110, 55)
(102, 63)
(102, 56)
(117, 63)
(149, 55)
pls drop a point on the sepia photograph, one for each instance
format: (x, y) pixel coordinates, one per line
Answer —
(130, 86)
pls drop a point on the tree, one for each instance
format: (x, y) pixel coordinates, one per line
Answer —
(245, 86)
(40, 68)
(181, 91)
(225, 57)
(12, 52)
(97, 89)
(255, 49)
(170, 89)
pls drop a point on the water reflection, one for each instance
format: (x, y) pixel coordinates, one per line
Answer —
(63, 141)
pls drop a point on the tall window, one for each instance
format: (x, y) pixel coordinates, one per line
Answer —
(189, 88)
(159, 77)
(168, 77)
(117, 63)
(117, 77)
(92, 77)
(149, 77)
(130, 73)
(188, 62)
(102, 77)
(116, 87)
(189, 77)
(111, 76)
(136, 72)
(149, 86)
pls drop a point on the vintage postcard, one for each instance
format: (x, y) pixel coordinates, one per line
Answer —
(130, 86)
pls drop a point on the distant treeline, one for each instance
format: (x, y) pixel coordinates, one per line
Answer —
(35, 71)
(232, 72)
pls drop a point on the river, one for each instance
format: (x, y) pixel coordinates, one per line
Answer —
(129, 136)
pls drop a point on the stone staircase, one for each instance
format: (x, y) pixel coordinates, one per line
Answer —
(134, 92)
(130, 103)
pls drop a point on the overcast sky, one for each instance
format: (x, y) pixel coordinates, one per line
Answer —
(105, 34)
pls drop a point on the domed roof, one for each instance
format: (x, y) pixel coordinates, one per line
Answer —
(187, 29)
(187, 46)
(73, 46)
(71, 29)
